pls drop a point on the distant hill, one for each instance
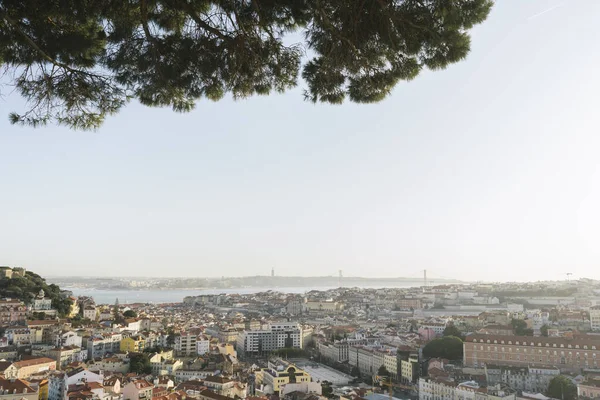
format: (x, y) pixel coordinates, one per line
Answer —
(25, 285)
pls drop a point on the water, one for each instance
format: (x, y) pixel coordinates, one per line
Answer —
(102, 296)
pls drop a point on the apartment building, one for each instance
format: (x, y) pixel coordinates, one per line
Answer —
(100, 346)
(186, 343)
(336, 352)
(443, 389)
(25, 368)
(133, 344)
(12, 312)
(566, 353)
(262, 342)
(595, 318)
(16, 389)
(527, 379)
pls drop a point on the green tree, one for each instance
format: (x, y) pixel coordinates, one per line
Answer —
(355, 371)
(75, 62)
(544, 330)
(382, 371)
(130, 314)
(562, 387)
(449, 347)
(520, 327)
(140, 363)
(327, 390)
(452, 330)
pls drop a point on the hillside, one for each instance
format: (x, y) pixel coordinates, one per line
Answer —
(26, 287)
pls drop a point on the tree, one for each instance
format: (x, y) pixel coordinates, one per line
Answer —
(129, 314)
(520, 327)
(355, 371)
(449, 347)
(75, 62)
(327, 390)
(562, 387)
(382, 371)
(116, 313)
(140, 363)
(544, 330)
(452, 330)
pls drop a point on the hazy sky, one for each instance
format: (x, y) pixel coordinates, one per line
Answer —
(489, 170)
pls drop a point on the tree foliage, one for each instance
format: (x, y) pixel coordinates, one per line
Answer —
(129, 314)
(452, 330)
(561, 387)
(449, 347)
(140, 363)
(26, 288)
(77, 61)
(544, 330)
(520, 327)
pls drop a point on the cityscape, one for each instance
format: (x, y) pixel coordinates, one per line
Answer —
(299, 200)
(431, 341)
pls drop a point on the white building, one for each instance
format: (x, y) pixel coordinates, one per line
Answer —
(595, 318)
(202, 345)
(277, 336)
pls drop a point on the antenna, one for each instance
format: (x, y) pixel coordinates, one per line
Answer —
(569, 276)
(425, 278)
(340, 278)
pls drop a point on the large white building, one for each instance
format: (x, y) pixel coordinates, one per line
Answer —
(595, 318)
(277, 336)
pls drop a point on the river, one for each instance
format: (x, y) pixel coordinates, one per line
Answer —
(102, 296)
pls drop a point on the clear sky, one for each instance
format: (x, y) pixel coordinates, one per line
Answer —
(488, 170)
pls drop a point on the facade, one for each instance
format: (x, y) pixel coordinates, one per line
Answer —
(100, 346)
(568, 354)
(186, 344)
(133, 344)
(279, 373)
(16, 389)
(595, 318)
(330, 307)
(90, 313)
(336, 352)
(138, 390)
(526, 379)
(25, 368)
(202, 345)
(12, 312)
(262, 342)
(588, 390)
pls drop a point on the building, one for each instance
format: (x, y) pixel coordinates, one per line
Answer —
(138, 390)
(588, 390)
(567, 353)
(202, 345)
(262, 342)
(186, 344)
(41, 303)
(90, 312)
(67, 355)
(595, 318)
(9, 273)
(133, 344)
(16, 389)
(100, 345)
(323, 307)
(525, 379)
(60, 382)
(25, 368)
(279, 373)
(336, 352)
(12, 312)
